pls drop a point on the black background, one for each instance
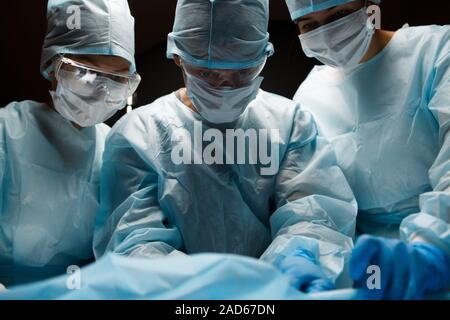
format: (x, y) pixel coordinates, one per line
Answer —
(23, 25)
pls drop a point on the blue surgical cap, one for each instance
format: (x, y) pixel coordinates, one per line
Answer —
(300, 8)
(221, 34)
(84, 27)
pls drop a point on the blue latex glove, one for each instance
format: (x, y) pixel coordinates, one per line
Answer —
(304, 273)
(408, 271)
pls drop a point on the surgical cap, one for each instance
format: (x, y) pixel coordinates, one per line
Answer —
(221, 34)
(84, 27)
(300, 8)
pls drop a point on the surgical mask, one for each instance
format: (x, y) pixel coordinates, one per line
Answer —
(220, 105)
(86, 112)
(342, 43)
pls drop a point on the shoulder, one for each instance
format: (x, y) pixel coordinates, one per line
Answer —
(311, 82)
(425, 32)
(274, 101)
(16, 108)
(430, 41)
(144, 120)
(277, 107)
(17, 114)
(287, 114)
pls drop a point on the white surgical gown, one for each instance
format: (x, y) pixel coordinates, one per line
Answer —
(49, 174)
(152, 206)
(389, 122)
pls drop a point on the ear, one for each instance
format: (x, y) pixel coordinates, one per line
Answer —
(54, 83)
(177, 60)
(297, 23)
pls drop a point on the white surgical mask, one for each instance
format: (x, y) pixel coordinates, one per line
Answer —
(341, 43)
(86, 112)
(220, 105)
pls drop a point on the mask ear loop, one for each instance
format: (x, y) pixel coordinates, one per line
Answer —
(57, 69)
(56, 65)
(50, 67)
(263, 65)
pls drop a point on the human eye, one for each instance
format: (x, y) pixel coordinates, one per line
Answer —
(204, 74)
(341, 13)
(307, 27)
(245, 72)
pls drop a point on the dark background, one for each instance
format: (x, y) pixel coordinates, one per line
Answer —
(23, 25)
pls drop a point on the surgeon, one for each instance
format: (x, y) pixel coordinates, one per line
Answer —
(383, 100)
(176, 180)
(50, 153)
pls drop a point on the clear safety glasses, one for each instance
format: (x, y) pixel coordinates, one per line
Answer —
(224, 77)
(89, 81)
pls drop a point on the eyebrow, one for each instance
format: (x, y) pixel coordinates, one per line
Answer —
(98, 65)
(124, 69)
(301, 19)
(87, 59)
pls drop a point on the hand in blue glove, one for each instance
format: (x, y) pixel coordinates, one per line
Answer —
(304, 273)
(408, 271)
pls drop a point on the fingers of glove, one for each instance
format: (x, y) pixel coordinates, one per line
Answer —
(415, 287)
(424, 274)
(305, 254)
(373, 251)
(319, 285)
(385, 261)
(366, 294)
(400, 275)
(303, 283)
(435, 263)
(364, 252)
(301, 271)
(301, 280)
(300, 266)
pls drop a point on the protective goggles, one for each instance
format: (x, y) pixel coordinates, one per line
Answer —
(89, 81)
(224, 77)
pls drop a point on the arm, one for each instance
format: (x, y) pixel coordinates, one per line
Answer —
(418, 265)
(3, 118)
(316, 210)
(432, 224)
(2, 163)
(130, 221)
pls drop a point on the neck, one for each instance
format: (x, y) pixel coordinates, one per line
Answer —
(380, 40)
(185, 99)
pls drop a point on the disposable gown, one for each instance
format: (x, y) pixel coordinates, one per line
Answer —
(153, 206)
(49, 175)
(389, 122)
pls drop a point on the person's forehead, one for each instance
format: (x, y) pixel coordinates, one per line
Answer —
(218, 71)
(104, 62)
(325, 13)
(224, 71)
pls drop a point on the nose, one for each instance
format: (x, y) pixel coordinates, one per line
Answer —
(227, 79)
